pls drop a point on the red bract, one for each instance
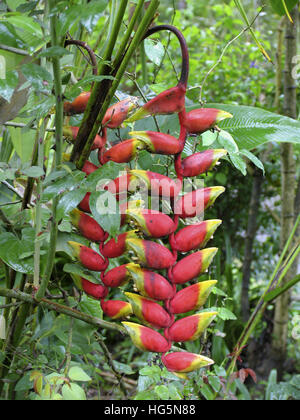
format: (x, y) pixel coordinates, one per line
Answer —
(84, 205)
(123, 152)
(193, 265)
(194, 236)
(194, 203)
(150, 254)
(200, 120)
(78, 105)
(191, 327)
(146, 339)
(159, 143)
(118, 276)
(152, 223)
(116, 309)
(88, 257)
(183, 362)
(202, 162)
(116, 247)
(97, 291)
(168, 102)
(149, 312)
(88, 227)
(89, 168)
(150, 284)
(117, 113)
(191, 298)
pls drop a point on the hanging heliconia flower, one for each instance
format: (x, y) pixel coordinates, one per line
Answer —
(150, 239)
(200, 120)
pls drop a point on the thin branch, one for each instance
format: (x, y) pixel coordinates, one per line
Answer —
(21, 125)
(223, 53)
(14, 50)
(57, 307)
(84, 45)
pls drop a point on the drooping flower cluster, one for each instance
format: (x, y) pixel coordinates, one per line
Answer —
(155, 243)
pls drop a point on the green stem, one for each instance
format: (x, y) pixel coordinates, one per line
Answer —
(128, 33)
(57, 307)
(261, 306)
(58, 156)
(132, 48)
(38, 209)
(98, 93)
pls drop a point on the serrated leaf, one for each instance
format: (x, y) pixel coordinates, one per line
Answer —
(76, 373)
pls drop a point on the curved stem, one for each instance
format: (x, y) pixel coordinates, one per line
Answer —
(185, 68)
(91, 53)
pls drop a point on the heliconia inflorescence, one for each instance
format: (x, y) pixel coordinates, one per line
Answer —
(154, 241)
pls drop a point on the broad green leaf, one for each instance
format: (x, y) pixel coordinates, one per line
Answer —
(28, 30)
(208, 138)
(162, 392)
(91, 307)
(106, 212)
(155, 51)
(251, 126)
(37, 77)
(8, 85)
(23, 141)
(254, 159)
(239, 163)
(69, 201)
(73, 392)
(34, 172)
(9, 36)
(10, 250)
(123, 368)
(80, 271)
(54, 52)
(226, 140)
(278, 6)
(76, 373)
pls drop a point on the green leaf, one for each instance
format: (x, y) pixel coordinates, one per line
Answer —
(54, 52)
(251, 126)
(106, 212)
(76, 373)
(10, 250)
(28, 30)
(208, 138)
(34, 172)
(9, 36)
(23, 141)
(227, 142)
(254, 159)
(69, 201)
(123, 368)
(8, 85)
(162, 392)
(80, 271)
(239, 163)
(91, 307)
(278, 7)
(38, 77)
(155, 51)
(73, 392)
